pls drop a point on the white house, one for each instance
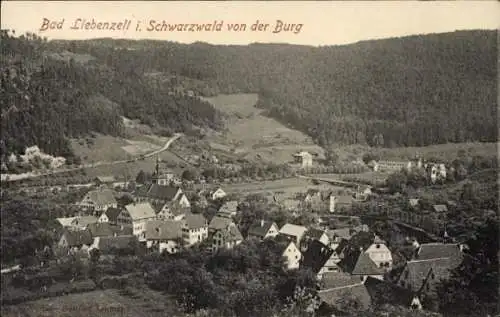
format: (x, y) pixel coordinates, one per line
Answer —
(194, 228)
(136, 215)
(262, 229)
(228, 238)
(292, 255)
(305, 159)
(380, 254)
(163, 235)
(217, 194)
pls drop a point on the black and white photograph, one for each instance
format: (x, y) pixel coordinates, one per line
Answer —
(249, 158)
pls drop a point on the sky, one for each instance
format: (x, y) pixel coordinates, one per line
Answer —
(323, 23)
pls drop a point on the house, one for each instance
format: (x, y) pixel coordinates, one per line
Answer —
(159, 195)
(363, 192)
(76, 240)
(313, 234)
(194, 229)
(313, 199)
(293, 232)
(111, 244)
(305, 159)
(136, 215)
(435, 171)
(104, 180)
(173, 211)
(421, 276)
(227, 237)
(365, 267)
(394, 166)
(104, 229)
(320, 259)
(98, 200)
(289, 251)
(429, 251)
(380, 254)
(440, 208)
(217, 194)
(110, 215)
(262, 229)
(218, 223)
(66, 221)
(163, 235)
(228, 209)
(384, 292)
(414, 203)
(162, 176)
(338, 203)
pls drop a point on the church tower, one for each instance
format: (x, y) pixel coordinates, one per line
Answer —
(161, 176)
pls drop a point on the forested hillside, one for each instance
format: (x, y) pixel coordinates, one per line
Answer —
(409, 91)
(48, 97)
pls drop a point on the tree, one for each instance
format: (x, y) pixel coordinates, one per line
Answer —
(141, 177)
(189, 175)
(397, 182)
(331, 157)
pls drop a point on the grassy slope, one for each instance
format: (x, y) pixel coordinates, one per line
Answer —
(253, 135)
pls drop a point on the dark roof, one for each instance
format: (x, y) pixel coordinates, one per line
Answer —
(314, 233)
(218, 222)
(195, 221)
(105, 229)
(160, 192)
(358, 292)
(78, 237)
(107, 244)
(337, 279)
(163, 230)
(365, 266)
(316, 256)
(437, 250)
(383, 292)
(260, 228)
(112, 213)
(231, 234)
(419, 270)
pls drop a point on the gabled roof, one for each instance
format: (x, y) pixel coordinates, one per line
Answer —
(102, 196)
(356, 291)
(195, 221)
(105, 229)
(218, 223)
(418, 271)
(84, 221)
(365, 266)
(337, 279)
(230, 206)
(163, 230)
(316, 256)
(231, 234)
(160, 192)
(313, 233)
(440, 208)
(293, 230)
(383, 292)
(107, 244)
(413, 202)
(437, 250)
(112, 213)
(175, 208)
(78, 237)
(260, 228)
(140, 211)
(66, 222)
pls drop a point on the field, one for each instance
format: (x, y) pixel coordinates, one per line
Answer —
(254, 136)
(287, 187)
(102, 303)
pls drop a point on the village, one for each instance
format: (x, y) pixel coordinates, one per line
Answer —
(344, 253)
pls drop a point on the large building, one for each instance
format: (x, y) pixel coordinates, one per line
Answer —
(305, 159)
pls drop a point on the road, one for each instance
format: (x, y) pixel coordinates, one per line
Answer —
(14, 177)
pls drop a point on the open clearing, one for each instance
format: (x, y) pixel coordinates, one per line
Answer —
(102, 303)
(255, 136)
